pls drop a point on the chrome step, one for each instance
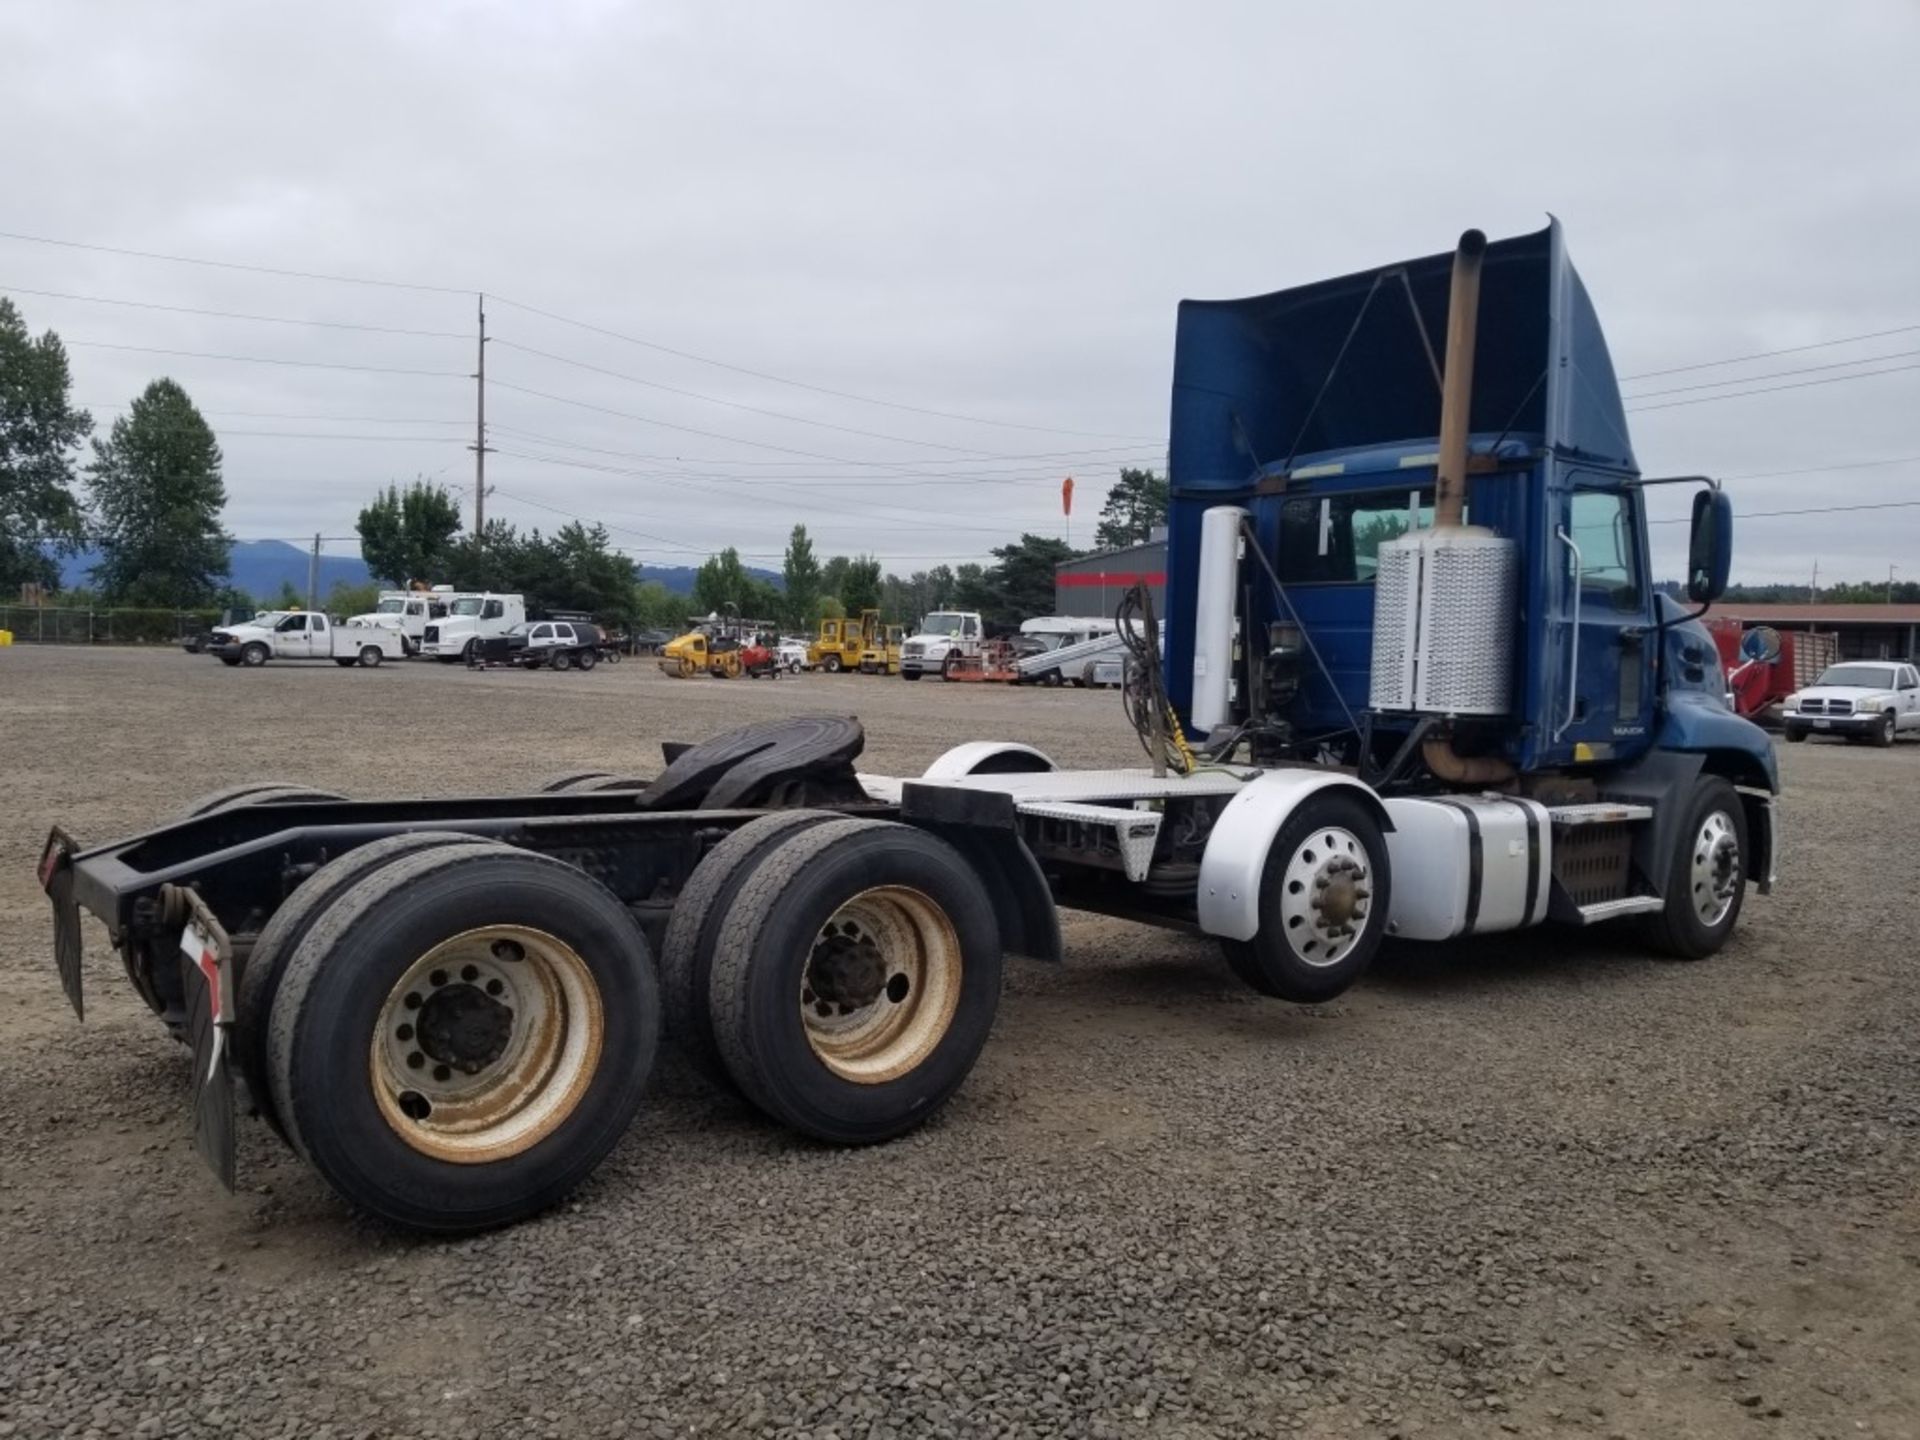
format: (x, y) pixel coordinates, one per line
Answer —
(1625, 905)
(1603, 813)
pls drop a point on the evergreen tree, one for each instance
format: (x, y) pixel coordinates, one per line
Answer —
(157, 497)
(801, 571)
(39, 431)
(1136, 503)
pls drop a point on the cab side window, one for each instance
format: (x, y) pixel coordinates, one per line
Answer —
(493, 610)
(319, 622)
(1601, 523)
(292, 624)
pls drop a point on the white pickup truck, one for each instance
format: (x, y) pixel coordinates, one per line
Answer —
(1873, 700)
(305, 635)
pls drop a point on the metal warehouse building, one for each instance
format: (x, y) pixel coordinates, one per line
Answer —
(1867, 632)
(1093, 584)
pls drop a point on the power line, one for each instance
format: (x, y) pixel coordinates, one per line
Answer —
(982, 476)
(382, 439)
(281, 415)
(802, 384)
(1115, 454)
(1817, 510)
(270, 360)
(1771, 389)
(738, 405)
(1769, 354)
(1776, 375)
(237, 265)
(236, 315)
(1826, 469)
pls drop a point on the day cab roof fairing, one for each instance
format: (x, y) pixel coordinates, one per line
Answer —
(1338, 379)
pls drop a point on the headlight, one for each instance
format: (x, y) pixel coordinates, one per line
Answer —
(1870, 702)
(1790, 704)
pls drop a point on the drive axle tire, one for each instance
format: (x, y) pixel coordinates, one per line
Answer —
(267, 962)
(463, 1035)
(559, 660)
(1707, 877)
(371, 656)
(855, 978)
(693, 929)
(586, 659)
(1325, 895)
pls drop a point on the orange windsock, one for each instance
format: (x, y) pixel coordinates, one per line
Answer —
(1066, 496)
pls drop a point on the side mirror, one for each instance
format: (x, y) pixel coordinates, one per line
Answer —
(1709, 547)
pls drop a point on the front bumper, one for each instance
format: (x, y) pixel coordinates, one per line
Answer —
(1795, 723)
(228, 651)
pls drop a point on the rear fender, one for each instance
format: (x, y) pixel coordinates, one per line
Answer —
(989, 757)
(1236, 853)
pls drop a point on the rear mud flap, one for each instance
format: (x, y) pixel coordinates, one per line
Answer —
(206, 979)
(56, 878)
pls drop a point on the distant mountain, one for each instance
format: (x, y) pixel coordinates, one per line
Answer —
(259, 567)
(679, 578)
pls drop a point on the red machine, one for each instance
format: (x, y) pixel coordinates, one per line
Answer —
(1764, 665)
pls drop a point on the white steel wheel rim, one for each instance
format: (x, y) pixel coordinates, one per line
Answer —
(1326, 896)
(881, 984)
(1715, 871)
(487, 1044)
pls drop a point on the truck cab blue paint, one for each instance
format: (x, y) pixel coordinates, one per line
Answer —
(1257, 422)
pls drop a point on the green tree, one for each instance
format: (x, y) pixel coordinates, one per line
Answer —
(345, 599)
(800, 569)
(591, 574)
(1136, 503)
(833, 579)
(39, 432)
(491, 560)
(722, 581)
(861, 589)
(408, 536)
(657, 608)
(157, 495)
(289, 598)
(1023, 578)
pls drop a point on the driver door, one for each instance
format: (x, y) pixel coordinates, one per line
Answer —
(290, 638)
(1607, 711)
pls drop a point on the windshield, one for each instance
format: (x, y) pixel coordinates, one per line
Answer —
(940, 624)
(467, 607)
(390, 607)
(1872, 677)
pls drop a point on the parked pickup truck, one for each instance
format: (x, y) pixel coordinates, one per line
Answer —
(304, 635)
(1876, 700)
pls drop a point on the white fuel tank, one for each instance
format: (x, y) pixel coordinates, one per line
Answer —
(1213, 617)
(1468, 865)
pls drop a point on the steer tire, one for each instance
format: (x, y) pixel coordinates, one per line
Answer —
(831, 665)
(267, 962)
(765, 963)
(686, 950)
(254, 654)
(1280, 960)
(1884, 733)
(1681, 930)
(254, 792)
(545, 1102)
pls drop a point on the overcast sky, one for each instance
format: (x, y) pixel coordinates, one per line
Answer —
(988, 210)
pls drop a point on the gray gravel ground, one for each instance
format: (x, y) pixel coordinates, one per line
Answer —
(1541, 1186)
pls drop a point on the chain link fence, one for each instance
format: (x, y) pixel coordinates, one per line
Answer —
(50, 625)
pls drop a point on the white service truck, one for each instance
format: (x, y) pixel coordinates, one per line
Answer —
(305, 635)
(944, 638)
(409, 612)
(471, 618)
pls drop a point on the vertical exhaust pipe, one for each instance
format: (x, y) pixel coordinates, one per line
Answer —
(1456, 386)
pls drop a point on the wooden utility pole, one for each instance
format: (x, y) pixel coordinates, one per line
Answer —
(479, 446)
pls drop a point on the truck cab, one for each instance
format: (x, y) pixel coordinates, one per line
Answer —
(470, 618)
(408, 611)
(944, 638)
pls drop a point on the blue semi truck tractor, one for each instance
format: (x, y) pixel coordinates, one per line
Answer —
(1417, 682)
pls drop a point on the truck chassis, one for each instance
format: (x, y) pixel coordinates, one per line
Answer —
(451, 1007)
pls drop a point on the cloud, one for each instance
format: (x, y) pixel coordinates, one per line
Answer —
(990, 211)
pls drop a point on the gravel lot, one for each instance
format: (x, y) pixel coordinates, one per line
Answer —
(1540, 1186)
